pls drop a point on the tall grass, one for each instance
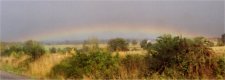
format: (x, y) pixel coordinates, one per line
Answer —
(42, 67)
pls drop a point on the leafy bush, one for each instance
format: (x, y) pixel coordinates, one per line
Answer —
(34, 49)
(220, 68)
(135, 66)
(134, 42)
(53, 50)
(118, 44)
(96, 64)
(189, 57)
(220, 43)
(90, 45)
(13, 50)
(145, 45)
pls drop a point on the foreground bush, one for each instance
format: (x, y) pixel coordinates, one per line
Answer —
(186, 58)
(95, 65)
(134, 66)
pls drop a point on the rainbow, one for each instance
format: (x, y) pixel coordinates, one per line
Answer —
(91, 29)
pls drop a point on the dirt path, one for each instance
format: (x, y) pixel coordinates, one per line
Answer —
(7, 76)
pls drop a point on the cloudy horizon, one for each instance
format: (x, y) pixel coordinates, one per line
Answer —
(78, 20)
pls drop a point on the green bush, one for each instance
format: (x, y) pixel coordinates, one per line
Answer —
(34, 49)
(220, 43)
(191, 58)
(95, 64)
(136, 66)
(90, 45)
(134, 42)
(13, 50)
(53, 50)
(145, 45)
(118, 44)
(220, 68)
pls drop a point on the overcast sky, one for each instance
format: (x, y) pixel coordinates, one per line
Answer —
(23, 20)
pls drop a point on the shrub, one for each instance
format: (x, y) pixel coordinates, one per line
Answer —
(91, 45)
(220, 68)
(118, 44)
(134, 42)
(53, 50)
(190, 57)
(13, 50)
(134, 66)
(203, 41)
(34, 49)
(145, 45)
(220, 43)
(96, 64)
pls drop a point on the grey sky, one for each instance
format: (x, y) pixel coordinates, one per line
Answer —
(24, 18)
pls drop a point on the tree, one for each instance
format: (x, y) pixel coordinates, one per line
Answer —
(90, 44)
(34, 49)
(53, 50)
(145, 44)
(134, 42)
(118, 44)
(220, 42)
(170, 52)
(13, 49)
(204, 41)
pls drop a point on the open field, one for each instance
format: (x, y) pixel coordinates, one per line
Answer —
(219, 50)
(78, 46)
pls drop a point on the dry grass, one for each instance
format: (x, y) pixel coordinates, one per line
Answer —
(13, 61)
(220, 50)
(42, 67)
(39, 68)
(78, 46)
(121, 53)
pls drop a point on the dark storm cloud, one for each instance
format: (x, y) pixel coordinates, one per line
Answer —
(24, 18)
